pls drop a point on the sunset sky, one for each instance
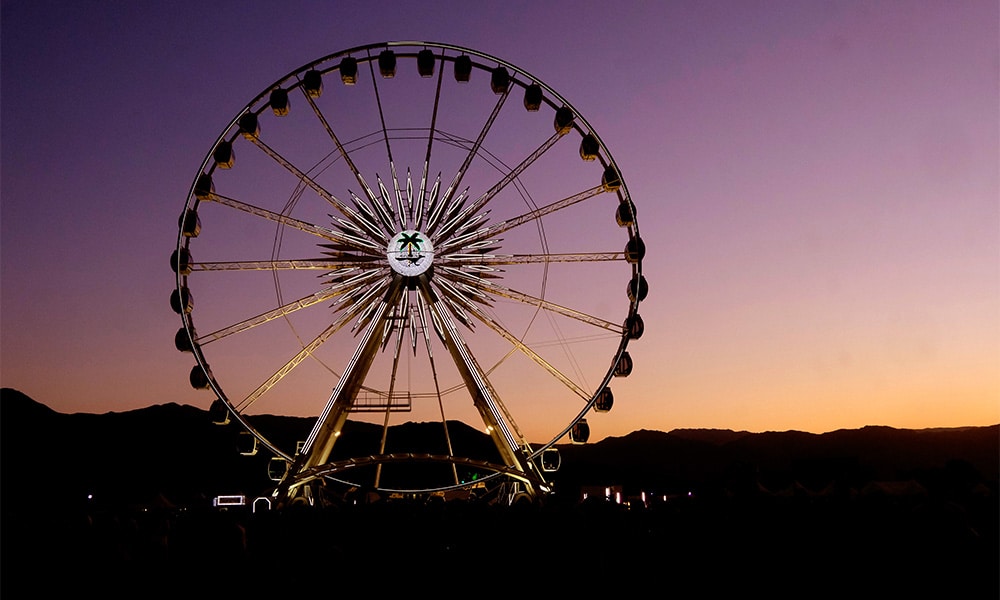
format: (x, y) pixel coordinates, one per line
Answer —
(816, 184)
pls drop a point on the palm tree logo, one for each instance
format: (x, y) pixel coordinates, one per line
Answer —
(410, 253)
(410, 243)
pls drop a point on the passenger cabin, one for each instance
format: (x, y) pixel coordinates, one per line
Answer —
(219, 412)
(635, 250)
(604, 401)
(533, 97)
(312, 83)
(279, 102)
(425, 63)
(249, 126)
(182, 341)
(611, 180)
(276, 468)
(203, 187)
(180, 261)
(246, 443)
(634, 327)
(589, 147)
(500, 80)
(563, 121)
(463, 68)
(580, 432)
(625, 214)
(198, 378)
(189, 223)
(551, 460)
(624, 366)
(349, 70)
(637, 288)
(224, 156)
(181, 301)
(387, 64)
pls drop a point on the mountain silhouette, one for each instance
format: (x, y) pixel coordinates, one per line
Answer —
(120, 500)
(175, 452)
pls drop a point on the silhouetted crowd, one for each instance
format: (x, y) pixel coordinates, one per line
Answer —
(794, 546)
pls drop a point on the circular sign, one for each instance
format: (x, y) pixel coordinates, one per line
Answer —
(410, 253)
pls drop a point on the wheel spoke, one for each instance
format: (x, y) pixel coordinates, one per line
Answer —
(400, 215)
(304, 178)
(475, 283)
(473, 261)
(513, 339)
(336, 141)
(349, 241)
(307, 264)
(473, 151)
(378, 103)
(509, 224)
(417, 218)
(293, 362)
(483, 200)
(361, 280)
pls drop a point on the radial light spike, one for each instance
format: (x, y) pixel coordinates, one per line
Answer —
(420, 199)
(409, 195)
(438, 326)
(434, 205)
(400, 211)
(382, 208)
(413, 332)
(389, 326)
(363, 217)
(451, 221)
(384, 193)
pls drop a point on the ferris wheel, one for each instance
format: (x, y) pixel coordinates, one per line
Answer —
(427, 254)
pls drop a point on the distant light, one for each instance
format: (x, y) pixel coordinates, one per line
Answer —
(230, 500)
(263, 502)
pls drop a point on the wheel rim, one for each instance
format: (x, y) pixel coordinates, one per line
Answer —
(384, 242)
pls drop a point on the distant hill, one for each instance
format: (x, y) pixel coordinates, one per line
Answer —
(732, 462)
(174, 454)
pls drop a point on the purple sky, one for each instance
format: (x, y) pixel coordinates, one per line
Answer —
(816, 183)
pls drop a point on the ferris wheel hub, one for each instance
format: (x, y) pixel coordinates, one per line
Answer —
(410, 253)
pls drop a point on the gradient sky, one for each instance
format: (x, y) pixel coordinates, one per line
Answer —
(816, 182)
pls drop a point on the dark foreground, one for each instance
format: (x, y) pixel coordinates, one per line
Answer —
(868, 513)
(796, 547)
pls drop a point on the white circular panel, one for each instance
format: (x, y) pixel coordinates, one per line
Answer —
(410, 253)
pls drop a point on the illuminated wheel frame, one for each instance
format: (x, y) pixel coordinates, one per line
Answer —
(404, 240)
